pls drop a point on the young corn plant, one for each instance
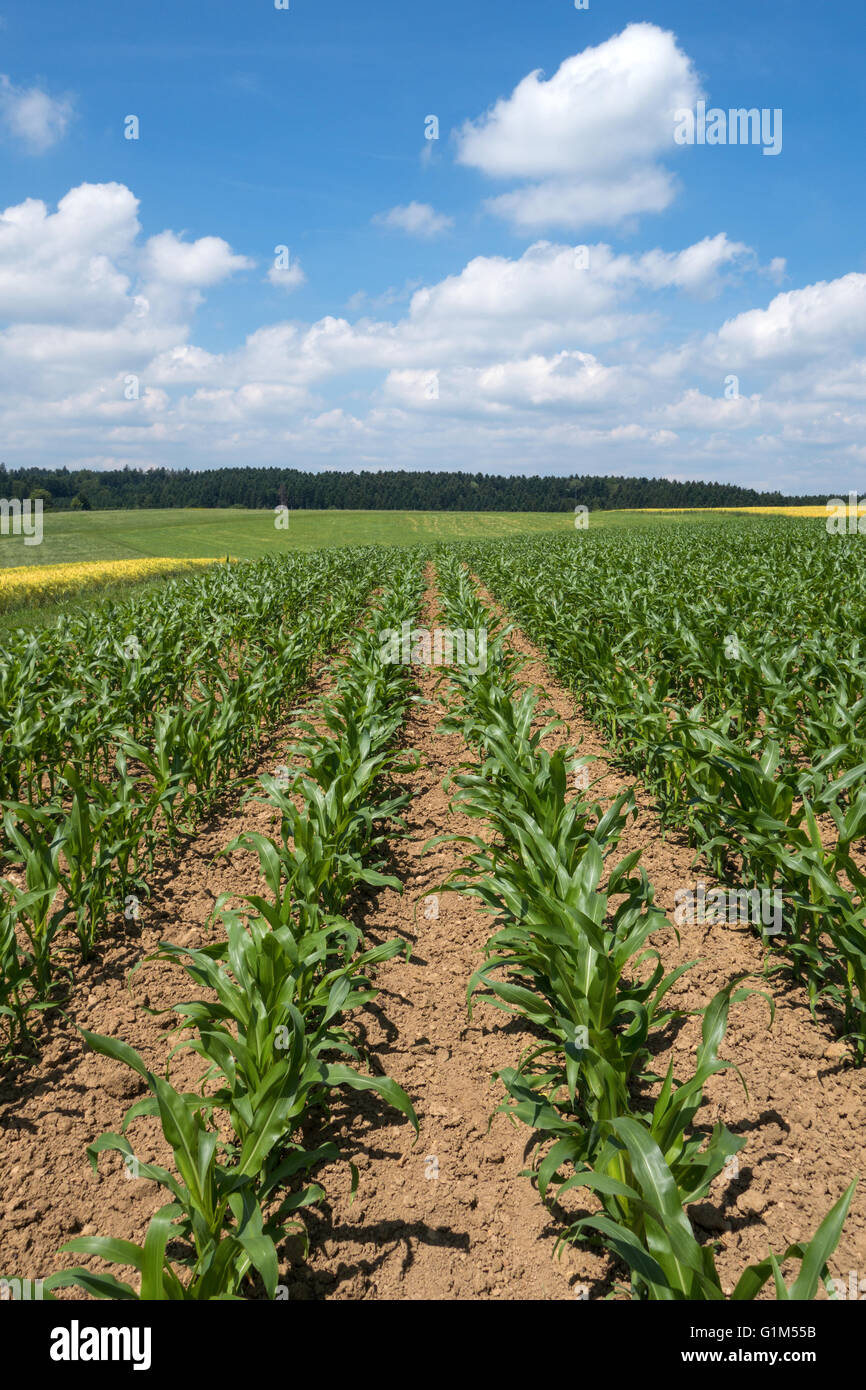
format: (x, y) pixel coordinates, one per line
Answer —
(18, 996)
(34, 840)
(271, 1030)
(656, 1241)
(215, 1214)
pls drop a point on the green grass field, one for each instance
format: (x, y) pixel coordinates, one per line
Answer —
(75, 536)
(71, 537)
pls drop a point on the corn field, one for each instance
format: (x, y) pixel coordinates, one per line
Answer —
(732, 684)
(723, 674)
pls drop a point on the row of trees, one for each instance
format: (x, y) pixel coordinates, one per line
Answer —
(65, 489)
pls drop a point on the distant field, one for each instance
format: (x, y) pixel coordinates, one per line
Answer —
(135, 547)
(78, 537)
(73, 537)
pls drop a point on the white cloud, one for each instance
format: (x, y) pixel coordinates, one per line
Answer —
(32, 116)
(83, 298)
(418, 219)
(698, 411)
(64, 267)
(602, 201)
(697, 268)
(289, 276)
(548, 296)
(800, 323)
(559, 353)
(174, 273)
(183, 365)
(191, 264)
(564, 379)
(590, 136)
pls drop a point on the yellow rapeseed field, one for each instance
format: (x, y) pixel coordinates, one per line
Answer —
(821, 511)
(21, 584)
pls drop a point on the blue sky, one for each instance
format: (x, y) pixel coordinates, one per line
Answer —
(434, 313)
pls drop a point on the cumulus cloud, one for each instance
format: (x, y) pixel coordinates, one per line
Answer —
(64, 266)
(698, 268)
(602, 201)
(192, 264)
(559, 353)
(83, 265)
(32, 117)
(83, 296)
(697, 410)
(554, 292)
(801, 323)
(564, 379)
(588, 139)
(418, 219)
(180, 366)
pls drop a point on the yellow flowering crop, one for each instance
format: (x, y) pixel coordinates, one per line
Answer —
(21, 584)
(764, 511)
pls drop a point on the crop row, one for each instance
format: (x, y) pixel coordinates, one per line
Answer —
(269, 1023)
(573, 955)
(737, 692)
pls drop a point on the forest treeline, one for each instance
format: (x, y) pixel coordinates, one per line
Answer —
(65, 489)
